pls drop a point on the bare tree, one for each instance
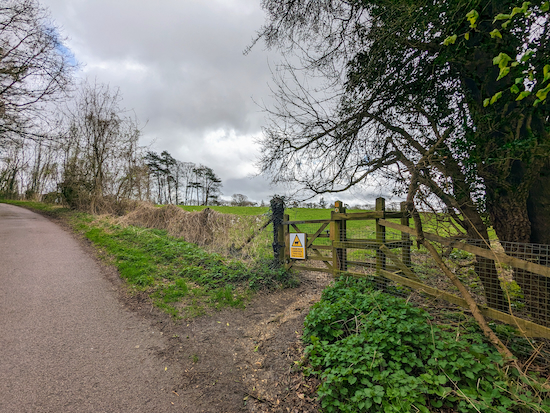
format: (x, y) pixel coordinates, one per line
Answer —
(99, 139)
(240, 200)
(185, 172)
(35, 69)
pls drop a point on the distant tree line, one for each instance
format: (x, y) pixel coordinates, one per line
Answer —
(179, 182)
(73, 142)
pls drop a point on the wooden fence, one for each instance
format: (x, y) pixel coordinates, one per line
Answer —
(389, 265)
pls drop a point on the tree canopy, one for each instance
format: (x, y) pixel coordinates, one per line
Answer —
(377, 92)
(35, 68)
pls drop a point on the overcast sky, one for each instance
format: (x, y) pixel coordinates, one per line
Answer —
(180, 66)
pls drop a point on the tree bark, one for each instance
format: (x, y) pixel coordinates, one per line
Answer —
(538, 207)
(514, 227)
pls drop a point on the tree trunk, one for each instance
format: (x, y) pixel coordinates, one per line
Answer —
(476, 229)
(513, 226)
(538, 207)
(484, 267)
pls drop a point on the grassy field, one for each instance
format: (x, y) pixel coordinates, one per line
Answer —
(237, 210)
(357, 229)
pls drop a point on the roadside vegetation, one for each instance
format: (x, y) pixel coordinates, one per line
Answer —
(375, 352)
(181, 278)
(371, 351)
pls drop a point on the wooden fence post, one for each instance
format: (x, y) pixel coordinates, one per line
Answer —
(338, 233)
(285, 241)
(381, 239)
(277, 211)
(405, 238)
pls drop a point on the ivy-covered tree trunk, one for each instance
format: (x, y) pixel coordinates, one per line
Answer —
(516, 201)
(510, 145)
(538, 209)
(512, 224)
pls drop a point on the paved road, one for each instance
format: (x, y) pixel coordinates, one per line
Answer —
(67, 344)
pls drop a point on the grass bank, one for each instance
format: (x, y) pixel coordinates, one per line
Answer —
(180, 277)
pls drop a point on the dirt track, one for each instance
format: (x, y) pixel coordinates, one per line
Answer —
(73, 340)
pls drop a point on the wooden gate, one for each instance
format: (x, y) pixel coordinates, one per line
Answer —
(332, 248)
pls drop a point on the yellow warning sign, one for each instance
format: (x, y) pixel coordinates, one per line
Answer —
(297, 247)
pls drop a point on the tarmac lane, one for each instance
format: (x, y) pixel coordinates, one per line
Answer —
(67, 343)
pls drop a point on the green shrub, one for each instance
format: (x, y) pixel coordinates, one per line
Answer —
(376, 353)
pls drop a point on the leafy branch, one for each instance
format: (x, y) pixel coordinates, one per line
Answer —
(505, 62)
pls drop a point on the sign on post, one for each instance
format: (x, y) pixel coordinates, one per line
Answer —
(298, 246)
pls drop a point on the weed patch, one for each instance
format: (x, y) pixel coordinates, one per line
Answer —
(376, 353)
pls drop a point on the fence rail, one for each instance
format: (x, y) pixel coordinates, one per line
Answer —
(338, 247)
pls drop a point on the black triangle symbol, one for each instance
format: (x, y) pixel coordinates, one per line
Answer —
(297, 242)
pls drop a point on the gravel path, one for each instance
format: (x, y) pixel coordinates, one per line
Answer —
(67, 344)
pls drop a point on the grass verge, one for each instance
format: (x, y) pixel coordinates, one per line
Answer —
(181, 278)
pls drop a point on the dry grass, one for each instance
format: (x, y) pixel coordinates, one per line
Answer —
(222, 233)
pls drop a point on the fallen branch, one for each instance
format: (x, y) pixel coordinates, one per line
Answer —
(254, 234)
(420, 239)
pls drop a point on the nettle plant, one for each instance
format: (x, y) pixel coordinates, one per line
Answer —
(376, 353)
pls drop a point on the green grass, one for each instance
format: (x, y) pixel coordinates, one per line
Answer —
(173, 271)
(39, 206)
(358, 227)
(237, 210)
(181, 278)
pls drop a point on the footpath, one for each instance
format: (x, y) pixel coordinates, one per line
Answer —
(67, 344)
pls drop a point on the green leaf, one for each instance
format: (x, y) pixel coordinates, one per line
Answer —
(422, 409)
(522, 9)
(527, 56)
(502, 60)
(541, 94)
(472, 17)
(545, 6)
(469, 374)
(486, 102)
(514, 89)
(496, 33)
(495, 97)
(503, 72)
(502, 17)
(467, 36)
(519, 80)
(436, 403)
(546, 72)
(450, 40)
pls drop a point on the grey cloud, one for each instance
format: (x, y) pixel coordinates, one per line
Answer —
(180, 66)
